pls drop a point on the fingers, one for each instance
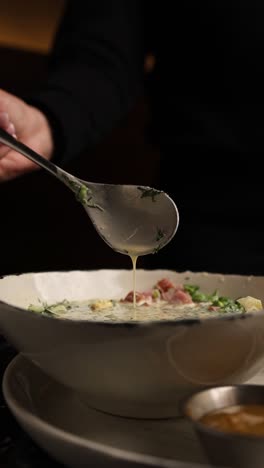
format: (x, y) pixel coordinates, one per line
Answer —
(14, 165)
(4, 119)
(6, 124)
(9, 127)
(31, 127)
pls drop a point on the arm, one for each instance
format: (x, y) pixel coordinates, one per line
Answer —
(94, 77)
(95, 71)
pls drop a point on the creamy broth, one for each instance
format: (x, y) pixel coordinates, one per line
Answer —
(244, 419)
(114, 311)
(163, 301)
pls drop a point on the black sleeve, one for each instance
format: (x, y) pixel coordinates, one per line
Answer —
(95, 72)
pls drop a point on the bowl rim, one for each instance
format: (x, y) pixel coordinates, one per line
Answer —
(134, 324)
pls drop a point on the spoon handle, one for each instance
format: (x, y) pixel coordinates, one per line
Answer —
(16, 145)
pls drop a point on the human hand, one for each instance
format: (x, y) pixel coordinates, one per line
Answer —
(31, 127)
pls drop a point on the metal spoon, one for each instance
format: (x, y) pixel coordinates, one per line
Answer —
(131, 219)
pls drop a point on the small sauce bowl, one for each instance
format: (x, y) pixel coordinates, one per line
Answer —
(230, 441)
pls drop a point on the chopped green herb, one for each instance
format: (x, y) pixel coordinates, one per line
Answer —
(160, 234)
(82, 193)
(156, 294)
(149, 192)
(53, 309)
(195, 293)
(157, 249)
(36, 308)
(225, 304)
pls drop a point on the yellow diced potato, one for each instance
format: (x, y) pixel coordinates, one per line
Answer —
(250, 303)
(101, 304)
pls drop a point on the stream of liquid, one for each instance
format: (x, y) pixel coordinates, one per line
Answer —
(134, 263)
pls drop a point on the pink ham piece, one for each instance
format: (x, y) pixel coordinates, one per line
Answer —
(165, 284)
(142, 298)
(177, 296)
(172, 293)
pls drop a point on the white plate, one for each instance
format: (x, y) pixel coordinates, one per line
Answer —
(76, 435)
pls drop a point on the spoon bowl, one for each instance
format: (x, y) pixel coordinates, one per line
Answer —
(131, 219)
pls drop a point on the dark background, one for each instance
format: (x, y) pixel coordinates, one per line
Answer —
(42, 225)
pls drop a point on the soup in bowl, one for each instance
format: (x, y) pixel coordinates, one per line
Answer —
(136, 355)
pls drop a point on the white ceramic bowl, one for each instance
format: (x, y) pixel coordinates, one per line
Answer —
(132, 369)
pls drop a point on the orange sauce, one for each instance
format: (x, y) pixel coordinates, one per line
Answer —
(243, 419)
